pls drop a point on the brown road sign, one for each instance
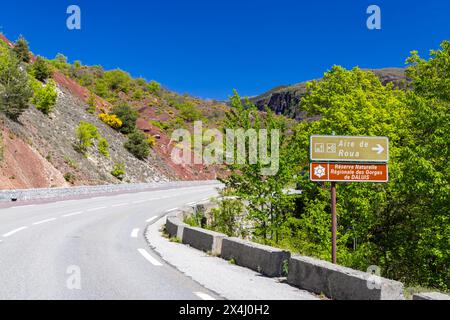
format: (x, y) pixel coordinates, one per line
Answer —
(349, 149)
(349, 172)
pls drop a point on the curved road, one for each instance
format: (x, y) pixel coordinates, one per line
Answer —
(93, 249)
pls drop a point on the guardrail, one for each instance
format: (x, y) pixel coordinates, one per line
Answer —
(317, 276)
(32, 194)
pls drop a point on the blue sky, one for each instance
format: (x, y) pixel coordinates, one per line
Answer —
(208, 48)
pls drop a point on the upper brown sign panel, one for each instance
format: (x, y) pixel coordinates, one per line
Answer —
(349, 149)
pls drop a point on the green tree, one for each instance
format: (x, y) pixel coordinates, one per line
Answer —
(189, 112)
(153, 86)
(22, 49)
(15, 91)
(86, 133)
(138, 145)
(268, 205)
(128, 116)
(117, 80)
(41, 69)
(45, 96)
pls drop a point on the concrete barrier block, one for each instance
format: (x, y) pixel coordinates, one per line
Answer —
(172, 224)
(430, 296)
(341, 283)
(266, 260)
(205, 240)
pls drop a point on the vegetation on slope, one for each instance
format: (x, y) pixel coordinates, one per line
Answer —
(402, 226)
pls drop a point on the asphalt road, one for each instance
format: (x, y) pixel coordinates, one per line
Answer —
(93, 249)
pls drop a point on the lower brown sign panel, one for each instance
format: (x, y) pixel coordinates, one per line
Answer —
(349, 172)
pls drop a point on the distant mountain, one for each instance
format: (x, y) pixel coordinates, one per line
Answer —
(285, 100)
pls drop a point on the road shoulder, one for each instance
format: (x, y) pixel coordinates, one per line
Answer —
(229, 281)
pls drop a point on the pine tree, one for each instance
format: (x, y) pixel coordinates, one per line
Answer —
(22, 50)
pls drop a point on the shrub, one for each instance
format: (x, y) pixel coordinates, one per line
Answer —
(22, 50)
(86, 133)
(189, 112)
(128, 116)
(91, 104)
(15, 90)
(111, 120)
(153, 86)
(101, 88)
(45, 96)
(151, 140)
(103, 147)
(159, 124)
(118, 171)
(117, 80)
(70, 177)
(41, 69)
(137, 145)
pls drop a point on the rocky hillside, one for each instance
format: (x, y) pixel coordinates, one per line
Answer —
(286, 99)
(40, 150)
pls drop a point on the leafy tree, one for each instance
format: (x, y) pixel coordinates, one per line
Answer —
(101, 88)
(45, 96)
(22, 49)
(85, 133)
(189, 112)
(128, 116)
(268, 205)
(138, 145)
(41, 70)
(15, 91)
(61, 58)
(153, 86)
(117, 80)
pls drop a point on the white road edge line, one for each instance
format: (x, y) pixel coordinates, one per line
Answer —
(191, 203)
(96, 209)
(151, 219)
(204, 296)
(149, 258)
(6, 235)
(72, 214)
(135, 233)
(170, 210)
(43, 221)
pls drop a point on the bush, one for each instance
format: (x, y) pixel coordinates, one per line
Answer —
(91, 104)
(117, 80)
(189, 112)
(128, 116)
(137, 145)
(159, 124)
(153, 86)
(151, 140)
(41, 69)
(103, 147)
(111, 120)
(45, 96)
(118, 171)
(86, 133)
(15, 90)
(70, 177)
(226, 218)
(22, 50)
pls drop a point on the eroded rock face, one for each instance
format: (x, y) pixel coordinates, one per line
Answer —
(285, 100)
(42, 151)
